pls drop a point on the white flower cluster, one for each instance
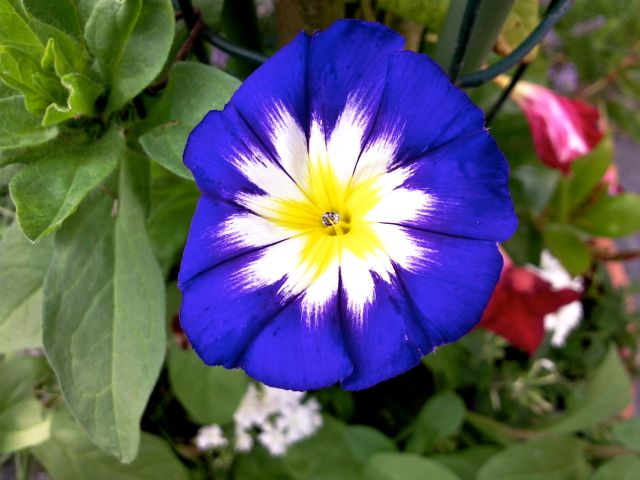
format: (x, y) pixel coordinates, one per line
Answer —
(278, 417)
(568, 317)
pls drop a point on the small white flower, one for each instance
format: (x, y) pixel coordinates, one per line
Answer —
(273, 439)
(210, 437)
(568, 317)
(282, 417)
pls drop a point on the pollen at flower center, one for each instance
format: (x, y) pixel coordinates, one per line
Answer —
(330, 218)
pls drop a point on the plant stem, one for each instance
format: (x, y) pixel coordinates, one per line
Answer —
(553, 15)
(466, 26)
(506, 92)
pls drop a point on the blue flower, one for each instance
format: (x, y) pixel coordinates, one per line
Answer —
(351, 204)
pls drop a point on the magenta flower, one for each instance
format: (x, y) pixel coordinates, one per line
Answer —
(563, 129)
(351, 204)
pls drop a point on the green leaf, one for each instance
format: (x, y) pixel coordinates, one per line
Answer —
(69, 455)
(612, 216)
(209, 394)
(430, 13)
(587, 172)
(208, 87)
(15, 32)
(19, 128)
(441, 417)
(22, 269)
(23, 419)
(549, 458)
(522, 20)
(342, 455)
(619, 468)
(608, 392)
(173, 202)
(48, 191)
(537, 183)
(165, 145)
(130, 40)
(628, 433)
(24, 74)
(104, 330)
(566, 246)
(405, 466)
(64, 15)
(466, 463)
(258, 464)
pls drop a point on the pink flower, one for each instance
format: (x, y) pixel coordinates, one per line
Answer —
(563, 129)
(521, 301)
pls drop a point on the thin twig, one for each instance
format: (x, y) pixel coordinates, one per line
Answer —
(611, 77)
(506, 92)
(616, 256)
(464, 34)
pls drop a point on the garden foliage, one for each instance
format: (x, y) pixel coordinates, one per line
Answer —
(97, 98)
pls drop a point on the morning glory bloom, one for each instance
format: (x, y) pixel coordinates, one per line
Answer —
(351, 204)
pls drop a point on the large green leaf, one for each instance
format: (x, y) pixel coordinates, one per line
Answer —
(608, 393)
(176, 114)
(612, 216)
(429, 13)
(47, 191)
(173, 202)
(405, 466)
(466, 463)
(344, 452)
(165, 145)
(19, 128)
(61, 14)
(69, 455)
(104, 328)
(568, 247)
(130, 40)
(628, 432)
(208, 89)
(22, 269)
(522, 19)
(23, 419)
(587, 172)
(550, 458)
(620, 468)
(209, 394)
(15, 32)
(441, 417)
(23, 73)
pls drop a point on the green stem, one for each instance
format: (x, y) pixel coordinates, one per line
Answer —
(22, 464)
(554, 14)
(565, 197)
(464, 34)
(506, 92)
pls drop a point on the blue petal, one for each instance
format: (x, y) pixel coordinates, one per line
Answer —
(421, 100)
(469, 181)
(349, 58)
(255, 329)
(216, 139)
(219, 317)
(289, 353)
(203, 250)
(387, 342)
(245, 122)
(450, 293)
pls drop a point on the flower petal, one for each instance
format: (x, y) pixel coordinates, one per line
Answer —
(422, 105)
(296, 354)
(386, 341)
(348, 61)
(221, 230)
(467, 183)
(451, 290)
